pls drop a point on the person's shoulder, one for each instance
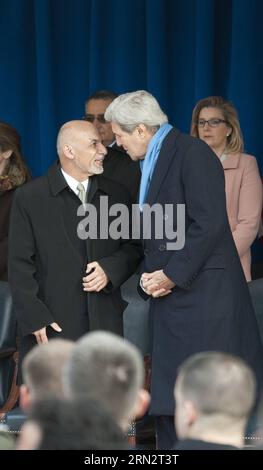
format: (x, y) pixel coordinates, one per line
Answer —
(31, 187)
(246, 160)
(113, 188)
(119, 155)
(187, 141)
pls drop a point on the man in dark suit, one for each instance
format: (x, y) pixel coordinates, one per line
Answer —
(117, 164)
(63, 284)
(199, 296)
(214, 394)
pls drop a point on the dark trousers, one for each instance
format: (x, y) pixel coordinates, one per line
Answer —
(165, 432)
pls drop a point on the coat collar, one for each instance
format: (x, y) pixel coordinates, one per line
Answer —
(163, 164)
(231, 161)
(57, 182)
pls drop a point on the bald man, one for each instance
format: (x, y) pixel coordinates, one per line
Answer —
(65, 283)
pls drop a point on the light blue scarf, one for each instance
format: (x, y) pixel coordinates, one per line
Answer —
(148, 164)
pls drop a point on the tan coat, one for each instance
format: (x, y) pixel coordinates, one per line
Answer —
(244, 203)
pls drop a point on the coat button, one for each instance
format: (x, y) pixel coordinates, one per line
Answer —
(162, 247)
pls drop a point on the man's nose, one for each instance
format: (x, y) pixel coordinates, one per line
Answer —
(101, 148)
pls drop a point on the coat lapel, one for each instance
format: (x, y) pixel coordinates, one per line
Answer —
(162, 166)
(232, 161)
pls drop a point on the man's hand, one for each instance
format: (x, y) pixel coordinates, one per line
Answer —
(157, 284)
(96, 279)
(41, 335)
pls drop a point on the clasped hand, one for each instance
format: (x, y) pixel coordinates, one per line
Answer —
(96, 278)
(156, 284)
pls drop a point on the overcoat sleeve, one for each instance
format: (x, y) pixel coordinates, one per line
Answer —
(32, 313)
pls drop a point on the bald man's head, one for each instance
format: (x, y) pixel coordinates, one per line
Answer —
(80, 149)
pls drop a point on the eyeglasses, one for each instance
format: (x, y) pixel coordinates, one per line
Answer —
(91, 118)
(211, 122)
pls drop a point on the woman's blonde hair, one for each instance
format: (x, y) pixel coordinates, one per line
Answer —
(235, 143)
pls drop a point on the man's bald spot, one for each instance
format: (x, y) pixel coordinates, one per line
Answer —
(73, 131)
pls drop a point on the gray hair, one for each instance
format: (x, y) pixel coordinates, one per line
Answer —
(131, 109)
(42, 368)
(107, 368)
(217, 383)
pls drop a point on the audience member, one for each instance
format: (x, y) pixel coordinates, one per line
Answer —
(67, 425)
(214, 394)
(42, 372)
(110, 370)
(13, 173)
(215, 121)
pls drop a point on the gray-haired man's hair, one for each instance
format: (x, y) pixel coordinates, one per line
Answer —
(42, 368)
(217, 383)
(131, 109)
(105, 367)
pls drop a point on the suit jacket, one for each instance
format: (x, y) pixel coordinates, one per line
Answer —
(210, 307)
(244, 203)
(119, 167)
(47, 260)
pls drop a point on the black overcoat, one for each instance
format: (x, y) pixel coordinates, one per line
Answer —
(210, 307)
(47, 260)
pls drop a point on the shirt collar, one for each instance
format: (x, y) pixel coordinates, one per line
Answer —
(73, 183)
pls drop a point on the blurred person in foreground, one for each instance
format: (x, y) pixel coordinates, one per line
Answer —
(214, 394)
(110, 370)
(57, 424)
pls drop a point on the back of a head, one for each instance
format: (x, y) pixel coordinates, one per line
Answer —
(131, 109)
(107, 368)
(217, 383)
(42, 368)
(76, 425)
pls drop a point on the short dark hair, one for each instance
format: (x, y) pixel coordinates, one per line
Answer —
(76, 425)
(217, 383)
(103, 95)
(105, 367)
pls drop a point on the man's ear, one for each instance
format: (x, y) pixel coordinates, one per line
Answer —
(142, 403)
(141, 130)
(25, 399)
(68, 152)
(190, 412)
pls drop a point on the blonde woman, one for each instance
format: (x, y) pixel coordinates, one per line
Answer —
(215, 121)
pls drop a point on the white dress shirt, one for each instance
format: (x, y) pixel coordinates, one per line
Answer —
(72, 183)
